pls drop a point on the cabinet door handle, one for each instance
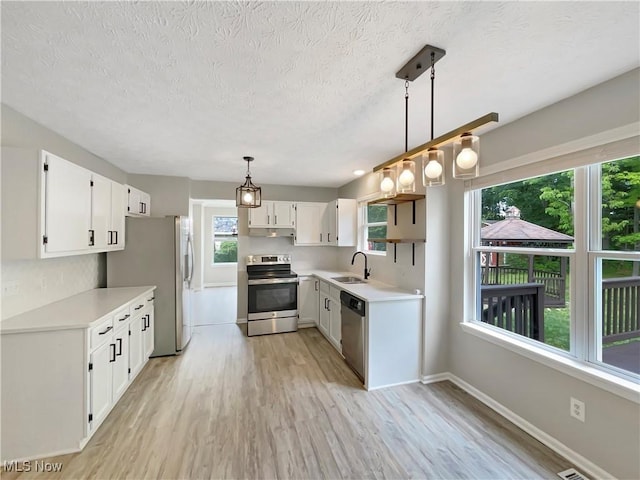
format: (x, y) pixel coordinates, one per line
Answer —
(144, 323)
(320, 238)
(328, 238)
(151, 299)
(268, 222)
(113, 352)
(147, 321)
(275, 219)
(316, 285)
(110, 240)
(119, 340)
(116, 241)
(91, 238)
(139, 307)
(124, 318)
(106, 331)
(328, 304)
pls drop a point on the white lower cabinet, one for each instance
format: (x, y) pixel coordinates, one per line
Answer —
(147, 333)
(308, 296)
(62, 372)
(120, 362)
(335, 319)
(101, 382)
(135, 346)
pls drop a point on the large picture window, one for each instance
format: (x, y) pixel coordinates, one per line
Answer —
(225, 239)
(536, 241)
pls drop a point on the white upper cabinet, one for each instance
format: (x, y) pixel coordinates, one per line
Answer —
(52, 207)
(138, 202)
(309, 229)
(66, 207)
(118, 212)
(332, 223)
(101, 211)
(273, 215)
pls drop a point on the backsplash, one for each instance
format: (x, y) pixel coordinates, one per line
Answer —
(29, 284)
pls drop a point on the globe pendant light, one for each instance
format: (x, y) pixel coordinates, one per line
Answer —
(388, 183)
(406, 168)
(465, 155)
(433, 161)
(247, 194)
(433, 168)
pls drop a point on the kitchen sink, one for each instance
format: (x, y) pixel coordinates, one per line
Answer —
(348, 279)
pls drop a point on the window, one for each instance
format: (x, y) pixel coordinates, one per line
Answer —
(374, 225)
(225, 239)
(557, 261)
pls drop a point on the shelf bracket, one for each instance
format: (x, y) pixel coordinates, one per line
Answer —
(395, 257)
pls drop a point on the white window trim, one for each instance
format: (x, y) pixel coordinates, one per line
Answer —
(362, 225)
(606, 377)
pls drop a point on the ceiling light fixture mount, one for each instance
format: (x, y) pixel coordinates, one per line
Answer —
(465, 164)
(247, 194)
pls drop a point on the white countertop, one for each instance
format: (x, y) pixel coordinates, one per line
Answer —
(78, 311)
(372, 291)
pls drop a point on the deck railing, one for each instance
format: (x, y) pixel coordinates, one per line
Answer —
(555, 284)
(517, 308)
(620, 309)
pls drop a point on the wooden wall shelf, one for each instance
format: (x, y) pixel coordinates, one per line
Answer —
(400, 198)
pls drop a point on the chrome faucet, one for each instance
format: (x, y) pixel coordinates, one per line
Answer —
(366, 271)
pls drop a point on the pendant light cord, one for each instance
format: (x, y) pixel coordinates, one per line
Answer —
(406, 116)
(433, 77)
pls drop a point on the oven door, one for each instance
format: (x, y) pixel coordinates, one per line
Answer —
(272, 298)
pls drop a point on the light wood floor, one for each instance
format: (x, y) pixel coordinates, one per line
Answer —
(214, 305)
(286, 406)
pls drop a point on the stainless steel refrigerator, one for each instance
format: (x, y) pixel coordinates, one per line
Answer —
(159, 251)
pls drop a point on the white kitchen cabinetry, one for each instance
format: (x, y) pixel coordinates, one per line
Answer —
(309, 226)
(138, 202)
(147, 333)
(107, 213)
(65, 207)
(52, 207)
(339, 223)
(308, 297)
(273, 215)
(335, 319)
(135, 345)
(64, 366)
(330, 324)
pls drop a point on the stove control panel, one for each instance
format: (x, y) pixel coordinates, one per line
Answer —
(269, 259)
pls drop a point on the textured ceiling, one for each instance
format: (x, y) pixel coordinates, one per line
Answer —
(308, 88)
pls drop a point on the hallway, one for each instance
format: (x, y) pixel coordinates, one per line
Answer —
(214, 306)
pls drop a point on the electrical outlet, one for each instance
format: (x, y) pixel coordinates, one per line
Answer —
(10, 288)
(576, 409)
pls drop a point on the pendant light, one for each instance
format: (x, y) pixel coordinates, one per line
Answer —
(388, 182)
(465, 144)
(433, 162)
(465, 155)
(247, 194)
(406, 168)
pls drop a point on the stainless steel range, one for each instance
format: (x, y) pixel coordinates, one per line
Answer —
(272, 295)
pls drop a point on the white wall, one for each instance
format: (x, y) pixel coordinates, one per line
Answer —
(610, 437)
(196, 216)
(45, 281)
(220, 274)
(169, 195)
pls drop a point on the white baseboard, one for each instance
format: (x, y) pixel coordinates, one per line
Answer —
(393, 385)
(438, 377)
(580, 462)
(306, 325)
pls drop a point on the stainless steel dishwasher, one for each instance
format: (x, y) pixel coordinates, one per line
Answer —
(353, 313)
